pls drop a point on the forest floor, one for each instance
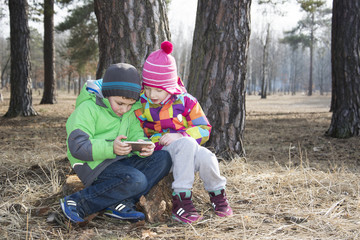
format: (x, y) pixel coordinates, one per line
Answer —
(295, 182)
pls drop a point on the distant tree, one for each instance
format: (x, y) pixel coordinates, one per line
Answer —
(254, 63)
(218, 70)
(261, 65)
(81, 49)
(37, 57)
(274, 65)
(182, 51)
(4, 61)
(20, 93)
(269, 9)
(49, 54)
(129, 31)
(323, 60)
(305, 31)
(323, 66)
(294, 41)
(345, 61)
(265, 65)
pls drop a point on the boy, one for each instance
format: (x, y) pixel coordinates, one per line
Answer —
(114, 176)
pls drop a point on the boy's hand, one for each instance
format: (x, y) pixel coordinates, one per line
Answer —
(147, 151)
(121, 148)
(168, 138)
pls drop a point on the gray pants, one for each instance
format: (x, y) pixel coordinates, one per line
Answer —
(189, 157)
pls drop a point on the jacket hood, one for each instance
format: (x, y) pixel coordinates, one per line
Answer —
(92, 90)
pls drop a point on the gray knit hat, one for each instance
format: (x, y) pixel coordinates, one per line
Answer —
(121, 79)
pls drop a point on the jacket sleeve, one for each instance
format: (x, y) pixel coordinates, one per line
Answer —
(81, 142)
(140, 116)
(198, 126)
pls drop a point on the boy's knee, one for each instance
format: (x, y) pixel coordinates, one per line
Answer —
(138, 182)
(163, 158)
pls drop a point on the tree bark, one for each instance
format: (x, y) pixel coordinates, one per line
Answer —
(345, 61)
(129, 31)
(49, 68)
(20, 91)
(218, 70)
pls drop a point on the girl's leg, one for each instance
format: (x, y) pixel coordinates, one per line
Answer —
(189, 157)
(208, 167)
(182, 154)
(206, 163)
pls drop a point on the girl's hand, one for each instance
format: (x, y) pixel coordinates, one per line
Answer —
(147, 151)
(121, 148)
(168, 138)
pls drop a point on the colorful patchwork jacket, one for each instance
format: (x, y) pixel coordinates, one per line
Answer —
(181, 113)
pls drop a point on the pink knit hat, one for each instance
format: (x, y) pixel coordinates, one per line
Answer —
(160, 70)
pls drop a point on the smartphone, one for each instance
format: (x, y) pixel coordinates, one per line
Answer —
(138, 146)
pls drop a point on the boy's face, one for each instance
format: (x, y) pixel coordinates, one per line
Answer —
(120, 105)
(156, 95)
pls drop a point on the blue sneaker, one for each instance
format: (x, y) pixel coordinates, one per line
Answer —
(124, 212)
(69, 208)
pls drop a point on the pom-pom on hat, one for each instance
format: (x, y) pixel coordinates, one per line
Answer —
(123, 80)
(160, 70)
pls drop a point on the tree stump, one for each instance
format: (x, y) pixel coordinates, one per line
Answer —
(156, 204)
(72, 185)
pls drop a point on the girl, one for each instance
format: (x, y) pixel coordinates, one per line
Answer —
(175, 122)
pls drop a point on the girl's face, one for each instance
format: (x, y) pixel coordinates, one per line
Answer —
(120, 105)
(156, 95)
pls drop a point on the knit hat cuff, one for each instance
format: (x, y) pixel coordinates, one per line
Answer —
(173, 90)
(122, 93)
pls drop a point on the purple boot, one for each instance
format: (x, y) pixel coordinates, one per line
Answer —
(183, 209)
(220, 203)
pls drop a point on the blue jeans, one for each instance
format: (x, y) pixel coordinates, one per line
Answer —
(128, 178)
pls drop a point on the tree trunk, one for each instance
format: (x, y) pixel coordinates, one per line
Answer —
(80, 83)
(218, 70)
(21, 96)
(292, 72)
(345, 61)
(129, 31)
(69, 81)
(311, 56)
(3, 73)
(265, 65)
(49, 68)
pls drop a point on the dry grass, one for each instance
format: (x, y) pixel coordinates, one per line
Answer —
(294, 184)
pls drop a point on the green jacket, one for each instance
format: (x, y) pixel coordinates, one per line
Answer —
(91, 130)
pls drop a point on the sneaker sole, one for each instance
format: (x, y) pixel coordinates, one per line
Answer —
(179, 220)
(221, 214)
(184, 221)
(122, 218)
